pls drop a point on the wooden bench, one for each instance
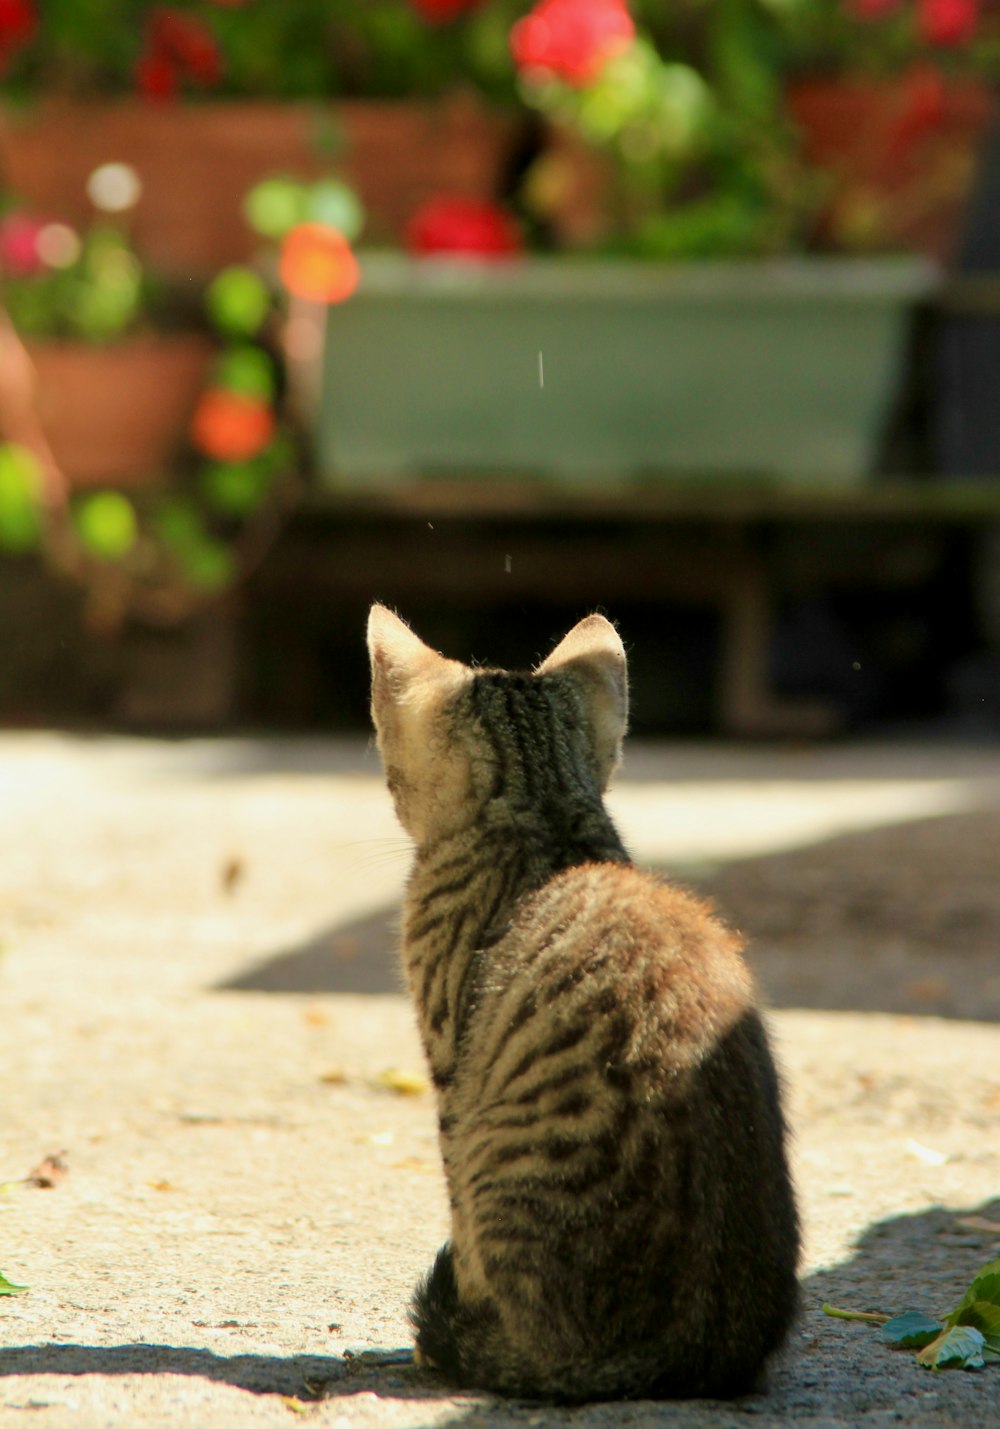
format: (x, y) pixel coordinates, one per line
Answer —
(474, 543)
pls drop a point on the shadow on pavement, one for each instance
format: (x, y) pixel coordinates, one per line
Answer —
(900, 919)
(903, 919)
(359, 956)
(260, 1374)
(833, 1372)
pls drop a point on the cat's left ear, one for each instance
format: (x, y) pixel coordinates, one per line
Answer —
(593, 655)
(397, 656)
(403, 668)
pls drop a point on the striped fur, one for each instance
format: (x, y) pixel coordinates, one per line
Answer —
(622, 1217)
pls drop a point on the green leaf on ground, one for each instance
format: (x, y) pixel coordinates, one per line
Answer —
(969, 1338)
(979, 1307)
(868, 1317)
(960, 1347)
(6, 1288)
(910, 1331)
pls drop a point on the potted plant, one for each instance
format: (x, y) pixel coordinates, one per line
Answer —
(206, 97)
(148, 460)
(644, 132)
(893, 99)
(117, 375)
(733, 351)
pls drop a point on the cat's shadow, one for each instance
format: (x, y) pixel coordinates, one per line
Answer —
(297, 1376)
(832, 1371)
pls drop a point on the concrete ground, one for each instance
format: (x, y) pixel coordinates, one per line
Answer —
(217, 1150)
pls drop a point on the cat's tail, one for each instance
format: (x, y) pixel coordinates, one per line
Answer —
(464, 1341)
(449, 1332)
(465, 1344)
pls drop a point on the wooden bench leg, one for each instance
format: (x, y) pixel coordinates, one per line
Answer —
(747, 708)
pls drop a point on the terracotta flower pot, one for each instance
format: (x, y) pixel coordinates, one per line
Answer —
(901, 155)
(118, 415)
(197, 161)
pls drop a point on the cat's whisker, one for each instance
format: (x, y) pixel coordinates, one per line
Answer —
(372, 853)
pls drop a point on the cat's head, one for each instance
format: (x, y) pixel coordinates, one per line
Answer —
(431, 718)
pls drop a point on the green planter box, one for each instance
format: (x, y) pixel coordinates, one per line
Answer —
(589, 370)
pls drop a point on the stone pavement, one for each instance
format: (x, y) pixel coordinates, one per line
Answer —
(217, 1153)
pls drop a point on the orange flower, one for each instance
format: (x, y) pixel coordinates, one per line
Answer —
(231, 426)
(317, 263)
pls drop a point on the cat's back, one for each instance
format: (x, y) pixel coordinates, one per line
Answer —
(615, 1121)
(605, 952)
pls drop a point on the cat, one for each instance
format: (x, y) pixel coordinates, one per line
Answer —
(622, 1218)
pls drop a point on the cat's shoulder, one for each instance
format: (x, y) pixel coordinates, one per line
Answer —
(631, 890)
(656, 931)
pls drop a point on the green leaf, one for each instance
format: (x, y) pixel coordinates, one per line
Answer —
(248, 369)
(210, 566)
(275, 205)
(961, 1347)
(207, 563)
(980, 1306)
(235, 488)
(20, 494)
(867, 1317)
(107, 525)
(333, 202)
(7, 1288)
(742, 62)
(724, 223)
(179, 525)
(910, 1331)
(238, 301)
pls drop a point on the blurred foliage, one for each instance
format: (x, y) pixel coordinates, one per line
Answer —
(291, 49)
(691, 111)
(160, 551)
(100, 295)
(20, 499)
(694, 114)
(683, 107)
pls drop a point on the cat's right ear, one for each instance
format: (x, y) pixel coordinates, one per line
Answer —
(593, 656)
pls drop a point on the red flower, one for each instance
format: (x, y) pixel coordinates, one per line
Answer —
(439, 12)
(571, 39)
(18, 22)
(187, 41)
(468, 226)
(176, 45)
(19, 254)
(156, 77)
(947, 22)
(922, 110)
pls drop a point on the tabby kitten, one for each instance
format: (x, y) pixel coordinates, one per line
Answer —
(622, 1220)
